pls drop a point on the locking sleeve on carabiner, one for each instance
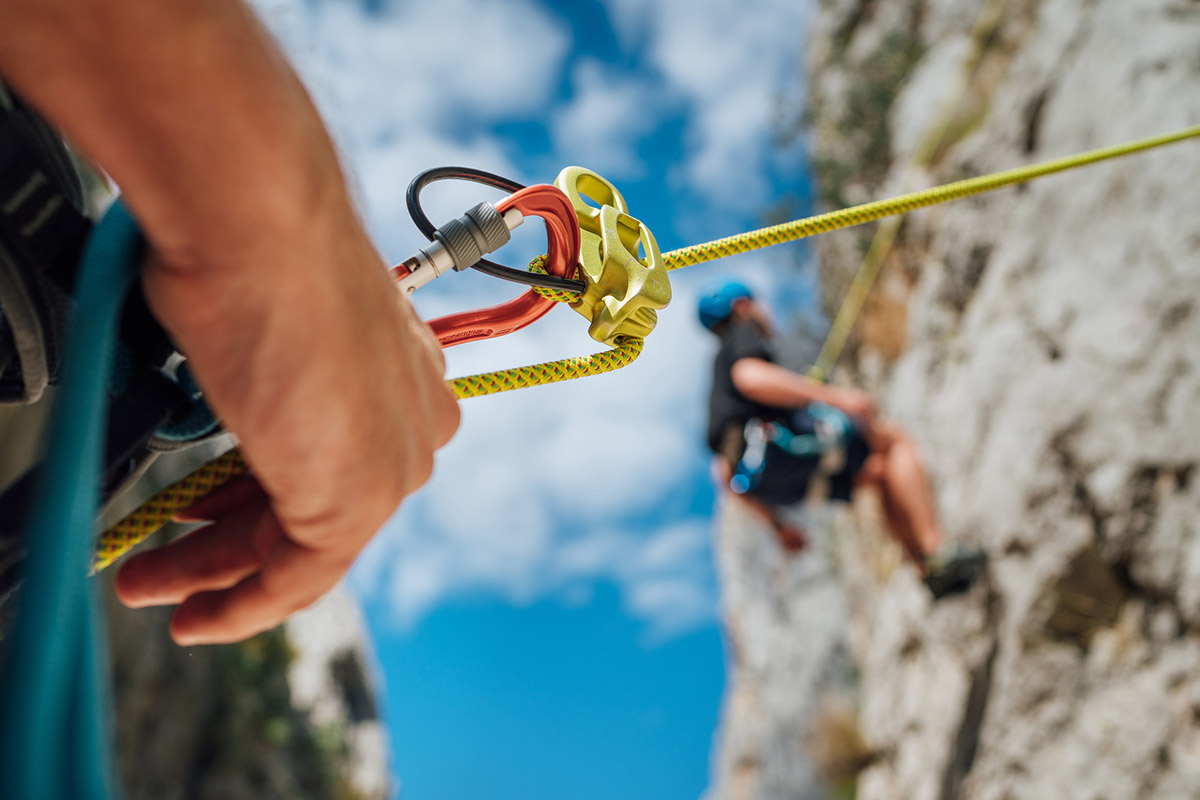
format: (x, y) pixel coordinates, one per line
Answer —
(459, 244)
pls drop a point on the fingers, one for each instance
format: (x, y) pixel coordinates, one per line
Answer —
(447, 415)
(419, 330)
(294, 578)
(234, 578)
(440, 402)
(213, 557)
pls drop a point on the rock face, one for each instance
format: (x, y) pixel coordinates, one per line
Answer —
(785, 624)
(290, 713)
(1043, 345)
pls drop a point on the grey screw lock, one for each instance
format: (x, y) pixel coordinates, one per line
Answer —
(459, 244)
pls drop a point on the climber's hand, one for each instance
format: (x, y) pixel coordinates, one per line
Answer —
(335, 389)
(233, 577)
(853, 402)
(263, 276)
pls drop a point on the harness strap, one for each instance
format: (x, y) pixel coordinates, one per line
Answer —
(41, 235)
(826, 445)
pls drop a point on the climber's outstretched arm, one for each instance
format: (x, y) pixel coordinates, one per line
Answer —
(772, 385)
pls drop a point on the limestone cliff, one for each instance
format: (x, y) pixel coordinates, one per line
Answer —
(1043, 345)
(287, 714)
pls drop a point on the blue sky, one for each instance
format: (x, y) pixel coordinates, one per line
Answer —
(546, 609)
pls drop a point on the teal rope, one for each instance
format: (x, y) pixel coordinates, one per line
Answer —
(55, 718)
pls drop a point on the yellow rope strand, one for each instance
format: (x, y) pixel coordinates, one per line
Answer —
(136, 527)
(867, 212)
(159, 510)
(506, 380)
(922, 157)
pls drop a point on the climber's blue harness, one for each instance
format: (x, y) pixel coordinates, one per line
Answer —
(832, 431)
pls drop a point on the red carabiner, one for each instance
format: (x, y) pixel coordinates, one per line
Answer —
(562, 250)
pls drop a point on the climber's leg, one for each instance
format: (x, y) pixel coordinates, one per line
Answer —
(790, 537)
(895, 467)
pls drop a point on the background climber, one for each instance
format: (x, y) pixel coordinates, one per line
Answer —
(782, 438)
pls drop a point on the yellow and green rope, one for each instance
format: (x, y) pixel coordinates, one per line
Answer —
(117, 540)
(868, 212)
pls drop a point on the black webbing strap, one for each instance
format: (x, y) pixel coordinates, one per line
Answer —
(41, 233)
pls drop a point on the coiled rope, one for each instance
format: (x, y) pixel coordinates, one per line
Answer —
(160, 508)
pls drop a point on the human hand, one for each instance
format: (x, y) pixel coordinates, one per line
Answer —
(264, 278)
(853, 402)
(243, 538)
(335, 390)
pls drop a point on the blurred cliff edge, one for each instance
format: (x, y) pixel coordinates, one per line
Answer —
(290, 713)
(1043, 344)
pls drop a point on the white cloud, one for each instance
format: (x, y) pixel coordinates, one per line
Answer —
(730, 62)
(672, 605)
(421, 64)
(602, 124)
(544, 491)
(674, 546)
(415, 86)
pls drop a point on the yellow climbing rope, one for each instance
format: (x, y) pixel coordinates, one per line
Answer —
(922, 156)
(162, 507)
(867, 212)
(136, 527)
(159, 509)
(627, 349)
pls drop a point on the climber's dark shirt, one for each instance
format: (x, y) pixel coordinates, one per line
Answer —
(784, 478)
(726, 405)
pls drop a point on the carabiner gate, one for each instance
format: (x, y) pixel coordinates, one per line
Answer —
(463, 242)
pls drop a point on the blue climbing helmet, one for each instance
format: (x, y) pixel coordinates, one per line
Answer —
(716, 304)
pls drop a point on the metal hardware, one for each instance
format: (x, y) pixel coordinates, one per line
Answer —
(624, 289)
(421, 220)
(562, 248)
(459, 244)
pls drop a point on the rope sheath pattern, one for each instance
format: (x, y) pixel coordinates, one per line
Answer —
(505, 380)
(867, 212)
(159, 509)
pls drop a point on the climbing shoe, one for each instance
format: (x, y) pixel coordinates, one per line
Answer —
(954, 569)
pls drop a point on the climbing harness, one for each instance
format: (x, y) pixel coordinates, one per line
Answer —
(758, 435)
(153, 404)
(826, 444)
(41, 233)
